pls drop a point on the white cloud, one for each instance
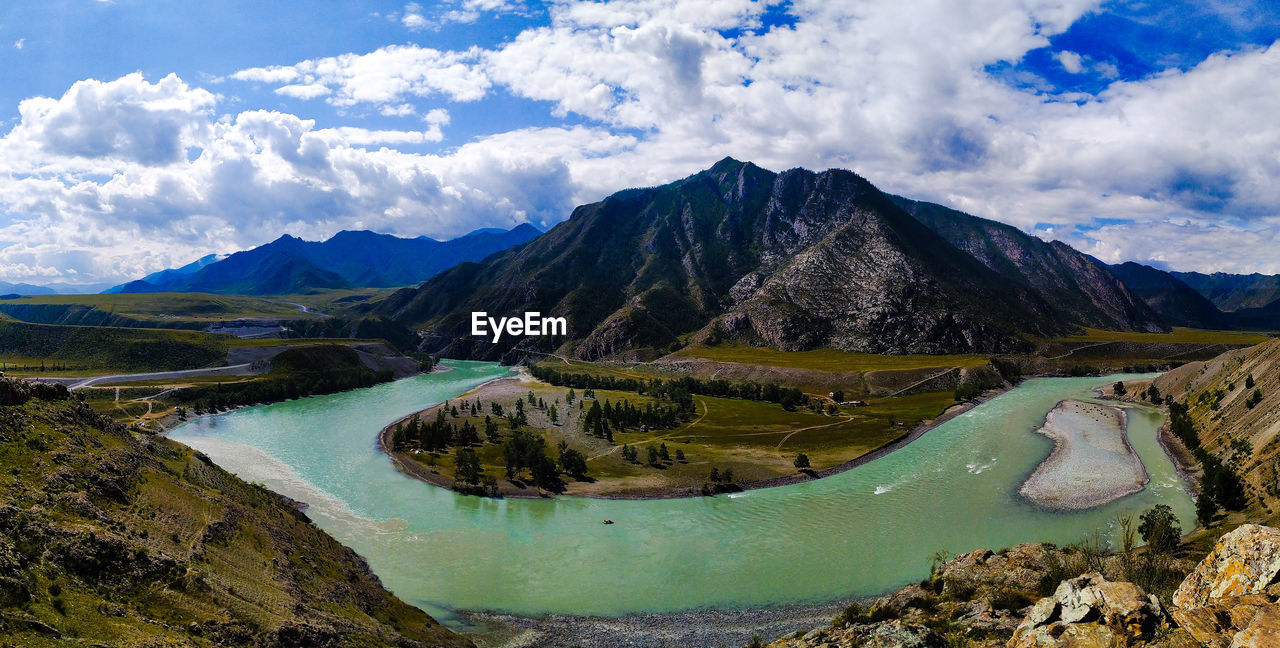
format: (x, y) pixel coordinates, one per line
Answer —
(1070, 61)
(397, 110)
(166, 180)
(663, 88)
(469, 11)
(387, 76)
(413, 18)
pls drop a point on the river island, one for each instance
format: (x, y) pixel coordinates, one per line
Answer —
(1092, 462)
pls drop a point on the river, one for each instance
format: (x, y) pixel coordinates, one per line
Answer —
(861, 532)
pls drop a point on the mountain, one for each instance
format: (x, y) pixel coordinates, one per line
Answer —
(1175, 301)
(111, 538)
(1078, 287)
(24, 289)
(795, 260)
(1232, 292)
(172, 275)
(347, 260)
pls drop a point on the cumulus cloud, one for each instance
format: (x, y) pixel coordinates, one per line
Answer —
(1156, 168)
(1071, 62)
(386, 76)
(166, 180)
(413, 18)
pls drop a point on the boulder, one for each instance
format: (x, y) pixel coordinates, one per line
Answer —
(1243, 562)
(1090, 611)
(1263, 630)
(1224, 622)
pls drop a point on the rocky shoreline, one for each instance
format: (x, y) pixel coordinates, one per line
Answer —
(659, 630)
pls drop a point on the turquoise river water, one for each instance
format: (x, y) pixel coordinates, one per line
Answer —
(861, 532)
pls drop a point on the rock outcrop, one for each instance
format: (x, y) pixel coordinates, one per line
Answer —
(1230, 600)
(1245, 561)
(1091, 611)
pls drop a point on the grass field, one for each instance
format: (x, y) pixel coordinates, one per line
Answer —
(335, 301)
(754, 439)
(75, 351)
(87, 348)
(180, 306)
(830, 359)
(1179, 335)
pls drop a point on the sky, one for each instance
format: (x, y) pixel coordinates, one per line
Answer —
(137, 135)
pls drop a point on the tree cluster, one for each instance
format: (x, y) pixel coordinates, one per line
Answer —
(272, 389)
(436, 436)
(678, 389)
(601, 420)
(1221, 487)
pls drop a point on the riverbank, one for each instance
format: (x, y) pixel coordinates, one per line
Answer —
(1092, 462)
(696, 628)
(651, 489)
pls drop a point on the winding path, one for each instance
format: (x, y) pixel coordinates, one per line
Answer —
(228, 370)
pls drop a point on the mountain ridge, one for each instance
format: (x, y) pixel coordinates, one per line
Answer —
(793, 260)
(349, 259)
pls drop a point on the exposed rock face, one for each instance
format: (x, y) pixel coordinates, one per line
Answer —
(1091, 611)
(1230, 598)
(1245, 561)
(792, 260)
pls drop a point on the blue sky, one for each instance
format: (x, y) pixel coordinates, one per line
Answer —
(142, 135)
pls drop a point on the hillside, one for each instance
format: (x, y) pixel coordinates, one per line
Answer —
(109, 349)
(1233, 292)
(1077, 286)
(290, 265)
(110, 538)
(1176, 302)
(1241, 428)
(793, 261)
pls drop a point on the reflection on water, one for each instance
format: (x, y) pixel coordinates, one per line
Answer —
(864, 531)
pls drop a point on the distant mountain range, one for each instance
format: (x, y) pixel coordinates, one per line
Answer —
(168, 277)
(1233, 292)
(24, 289)
(363, 259)
(795, 260)
(1199, 301)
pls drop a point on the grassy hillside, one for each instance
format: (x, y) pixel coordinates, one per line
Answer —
(322, 367)
(84, 348)
(107, 538)
(1179, 335)
(168, 310)
(1233, 401)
